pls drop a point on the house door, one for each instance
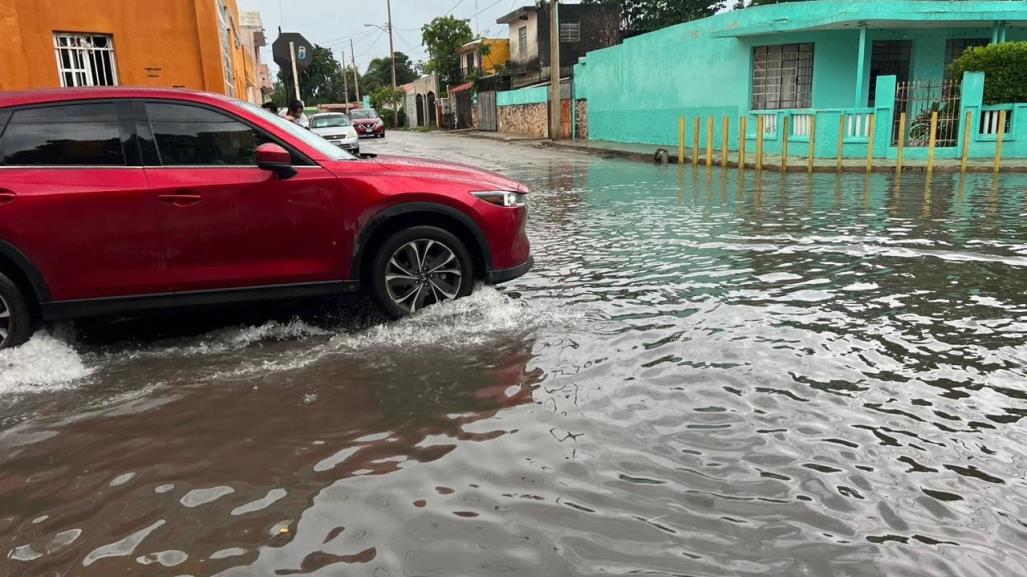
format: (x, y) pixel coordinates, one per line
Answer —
(889, 58)
(487, 111)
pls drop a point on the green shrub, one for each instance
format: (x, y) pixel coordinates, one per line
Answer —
(1004, 67)
(390, 122)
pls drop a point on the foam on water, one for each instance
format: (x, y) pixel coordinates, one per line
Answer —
(473, 320)
(45, 363)
(230, 339)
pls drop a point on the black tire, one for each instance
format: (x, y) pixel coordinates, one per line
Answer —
(447, 285)
(15, 317)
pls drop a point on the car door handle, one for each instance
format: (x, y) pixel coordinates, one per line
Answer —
(7, 197)
(181, 199)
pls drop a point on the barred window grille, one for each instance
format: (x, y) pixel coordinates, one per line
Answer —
(522, 43)
(570, 32)
(224, 23)
(955, 47)
(85, 59)
(782, 77)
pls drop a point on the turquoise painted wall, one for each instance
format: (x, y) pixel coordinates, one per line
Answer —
(534, 95)
(637, 91)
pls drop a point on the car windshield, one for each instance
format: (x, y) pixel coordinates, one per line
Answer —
(364, 114)
(329, 121)
(329, 150)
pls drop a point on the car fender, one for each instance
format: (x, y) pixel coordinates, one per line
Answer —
(11, 253)
(382, 216)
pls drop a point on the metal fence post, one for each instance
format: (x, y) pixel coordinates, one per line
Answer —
(932, 142)
(681, 140)
(725, 141)
(812, 140)
(870, 143)
(695, 147)
(743, 126)
(966, 141)
(841, 140)
(784, 142)
(999, 139)
(760, 120)
(709, 141)
(901, 143)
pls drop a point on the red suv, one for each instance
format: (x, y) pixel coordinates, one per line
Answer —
(127, 200)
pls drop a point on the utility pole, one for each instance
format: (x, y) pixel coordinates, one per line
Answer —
(392, 58)
(345, 81)
(356, 78)
(295, 76)
(555, 106)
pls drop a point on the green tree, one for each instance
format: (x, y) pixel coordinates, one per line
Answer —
(640, 16)
(389, 104)
(443, 36)
(1004, 67)
(321, 82)
(379, 73)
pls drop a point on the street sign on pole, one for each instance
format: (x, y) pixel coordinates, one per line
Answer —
(292, 51)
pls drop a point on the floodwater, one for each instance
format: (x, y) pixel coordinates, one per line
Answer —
(707, 374)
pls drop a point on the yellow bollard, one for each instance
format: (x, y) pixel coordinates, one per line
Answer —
(695, 148)
(966, 140)
(999, 139)
(784, 143)
(812, 141)
(841, 140)
(725, 141)
(743, 126)
(759, 142)
(902, 143)
(709, 141)
(932, 142)
(681, 140)
(870, 143)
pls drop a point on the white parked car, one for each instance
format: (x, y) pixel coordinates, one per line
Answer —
(335, 127)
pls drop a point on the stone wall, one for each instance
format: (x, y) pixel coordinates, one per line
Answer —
(582, 120)
(525, 120)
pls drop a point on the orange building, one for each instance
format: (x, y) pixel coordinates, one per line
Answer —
(198, 44)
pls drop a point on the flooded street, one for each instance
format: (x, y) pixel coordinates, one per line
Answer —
(705, 374)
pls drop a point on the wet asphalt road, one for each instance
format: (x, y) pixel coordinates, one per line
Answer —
(707, 373)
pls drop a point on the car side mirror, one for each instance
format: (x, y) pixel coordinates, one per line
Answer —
(272, 157)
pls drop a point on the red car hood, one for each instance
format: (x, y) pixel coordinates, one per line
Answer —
(371, 121)
(478, 178)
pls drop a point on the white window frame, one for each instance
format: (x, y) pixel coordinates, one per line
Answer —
(570, 32)
(88, 63)
(225, 26)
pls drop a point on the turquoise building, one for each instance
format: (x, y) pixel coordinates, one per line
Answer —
(822, 68)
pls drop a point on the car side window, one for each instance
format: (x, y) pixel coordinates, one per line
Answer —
(64, 135)
(195, 136)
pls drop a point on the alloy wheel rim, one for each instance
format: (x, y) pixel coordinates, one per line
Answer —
(5, 321)
(422, 272)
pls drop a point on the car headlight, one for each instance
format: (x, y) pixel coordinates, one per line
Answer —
(503, 197)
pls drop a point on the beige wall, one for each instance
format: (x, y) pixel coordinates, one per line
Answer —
(515, 44)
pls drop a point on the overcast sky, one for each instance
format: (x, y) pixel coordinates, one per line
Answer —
(332, 23)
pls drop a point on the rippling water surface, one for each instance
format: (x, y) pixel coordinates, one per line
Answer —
(706, 374)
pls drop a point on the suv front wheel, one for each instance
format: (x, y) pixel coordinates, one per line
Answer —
(15, 318)
(418, 267)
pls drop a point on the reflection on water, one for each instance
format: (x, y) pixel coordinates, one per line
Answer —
(708, 373)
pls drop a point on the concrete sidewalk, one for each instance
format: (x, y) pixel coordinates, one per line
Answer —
(647, 153)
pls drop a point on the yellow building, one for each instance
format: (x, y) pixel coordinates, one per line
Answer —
(486, 56)
(196, 44)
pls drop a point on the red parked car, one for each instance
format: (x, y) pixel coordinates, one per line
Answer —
(125, 200)
(368, 123)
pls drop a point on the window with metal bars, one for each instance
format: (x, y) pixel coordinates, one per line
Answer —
(570, 32)
(522, 43)
(85, 59)
(955, 47)
(782, 76)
